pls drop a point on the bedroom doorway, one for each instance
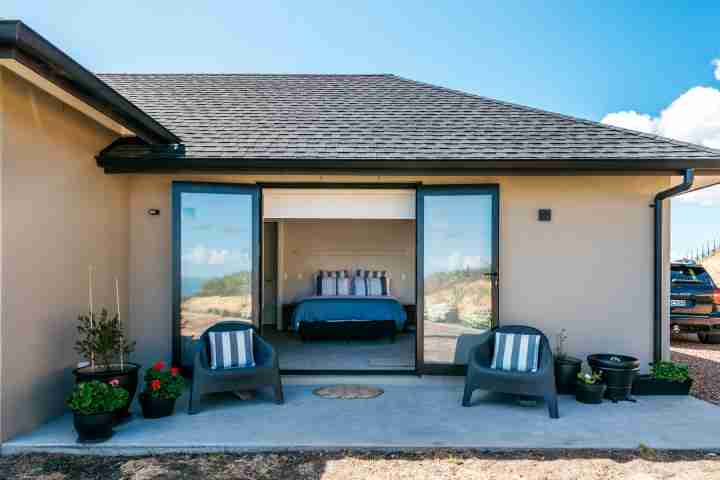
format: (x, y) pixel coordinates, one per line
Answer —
(346, 278)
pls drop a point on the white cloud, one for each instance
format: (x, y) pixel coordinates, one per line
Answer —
(692, 117)
(201, 255)
(706, 197)
(457, 261)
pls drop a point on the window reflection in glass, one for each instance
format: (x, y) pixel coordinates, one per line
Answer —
(215, 265)
(457, 291)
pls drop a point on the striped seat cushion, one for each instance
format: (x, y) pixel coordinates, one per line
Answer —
(516, 352)
(329, 283)
(232, 349)
(371, 283)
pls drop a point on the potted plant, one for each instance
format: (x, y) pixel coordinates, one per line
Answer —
(666, 378)
(588, 388)
(104, 346)
(93, 404)
(566, 367)
(162, 387)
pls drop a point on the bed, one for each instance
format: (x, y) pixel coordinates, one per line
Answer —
(348, 317)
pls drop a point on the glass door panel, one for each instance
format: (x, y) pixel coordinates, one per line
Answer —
(215, 260)
(459, 270)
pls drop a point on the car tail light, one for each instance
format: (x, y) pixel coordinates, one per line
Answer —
(716, 296)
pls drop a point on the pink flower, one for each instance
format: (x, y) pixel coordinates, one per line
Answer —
(114, 382)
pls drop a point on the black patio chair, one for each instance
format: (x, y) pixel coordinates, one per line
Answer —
(266, 371)
(481, 376)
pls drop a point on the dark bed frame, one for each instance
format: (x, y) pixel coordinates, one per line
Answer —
(360, 330)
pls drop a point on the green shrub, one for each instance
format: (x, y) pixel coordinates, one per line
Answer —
(671, 371)
(94, 397)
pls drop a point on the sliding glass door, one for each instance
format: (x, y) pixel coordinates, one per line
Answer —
(457, 271)
(216, 232)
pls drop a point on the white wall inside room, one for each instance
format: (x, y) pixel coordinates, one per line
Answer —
(294, 203)
(312, 245)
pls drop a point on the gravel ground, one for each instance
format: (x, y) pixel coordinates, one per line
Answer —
(642, 464)
(704, 362)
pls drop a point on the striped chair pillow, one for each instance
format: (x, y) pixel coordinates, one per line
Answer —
(330, 283)
(516, 352)
(233, 349)
(371, 283)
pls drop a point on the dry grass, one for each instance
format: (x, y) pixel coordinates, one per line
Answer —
(643, 463)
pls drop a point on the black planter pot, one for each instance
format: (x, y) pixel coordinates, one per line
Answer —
(93, 428)
(647, 385)
(127, 376)
(156, 407)
(618, 373)
(566, 370)
(592, 394)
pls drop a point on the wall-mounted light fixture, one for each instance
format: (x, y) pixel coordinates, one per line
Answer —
(153, 211)
(544, 215)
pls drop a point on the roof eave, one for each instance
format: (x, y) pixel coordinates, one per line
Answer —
(20, 43)
(179, 164)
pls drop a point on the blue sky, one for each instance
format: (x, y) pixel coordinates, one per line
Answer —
(651, 61)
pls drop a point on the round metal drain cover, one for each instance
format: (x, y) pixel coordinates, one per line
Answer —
(348, 392)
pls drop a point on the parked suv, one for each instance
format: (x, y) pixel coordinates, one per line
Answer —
(694, 302)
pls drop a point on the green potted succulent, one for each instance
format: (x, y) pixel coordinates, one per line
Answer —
(93, 404)
(665, 378)
(103, 345)
(566, 367)
(162, 387)
(588, 387)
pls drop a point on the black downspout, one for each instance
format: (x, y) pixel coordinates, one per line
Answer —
(688, 177)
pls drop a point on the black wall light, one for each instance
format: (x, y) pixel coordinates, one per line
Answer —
(153, 211)
(544, 215)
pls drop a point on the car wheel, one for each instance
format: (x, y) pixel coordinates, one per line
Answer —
(709, 338)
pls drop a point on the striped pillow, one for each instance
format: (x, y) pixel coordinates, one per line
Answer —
(516, 352)
(232, 349)
(330, 283)
(371, 283)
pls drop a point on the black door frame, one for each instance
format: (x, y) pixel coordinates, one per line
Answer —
(180, 187)
(256, 191)
(449, 190)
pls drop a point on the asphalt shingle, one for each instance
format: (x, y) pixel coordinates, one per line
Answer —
(370, 117)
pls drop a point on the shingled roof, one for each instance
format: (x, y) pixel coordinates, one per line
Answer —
(371, 118)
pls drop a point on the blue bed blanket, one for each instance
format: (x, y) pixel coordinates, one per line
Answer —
(348, 309)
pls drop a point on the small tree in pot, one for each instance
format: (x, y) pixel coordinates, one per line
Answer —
(93, 404)
(104, 345)
(162, 387)
(566, 367)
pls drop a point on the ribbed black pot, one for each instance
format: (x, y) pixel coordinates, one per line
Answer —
(127, 378)
(93, 428)
(156, 407)
(586, 393)
(618, 373)
(566, 371)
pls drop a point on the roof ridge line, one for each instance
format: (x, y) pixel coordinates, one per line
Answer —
(217, 74)
(563, 116)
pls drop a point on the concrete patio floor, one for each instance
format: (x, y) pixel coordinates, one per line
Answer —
(410, 414)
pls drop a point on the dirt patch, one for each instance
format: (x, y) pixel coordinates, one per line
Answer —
(704, 362)
(643, 463)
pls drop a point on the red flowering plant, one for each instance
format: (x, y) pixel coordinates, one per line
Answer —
(162, 382)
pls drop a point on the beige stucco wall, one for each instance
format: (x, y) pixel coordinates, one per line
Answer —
(590, 270)
(60, 214)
